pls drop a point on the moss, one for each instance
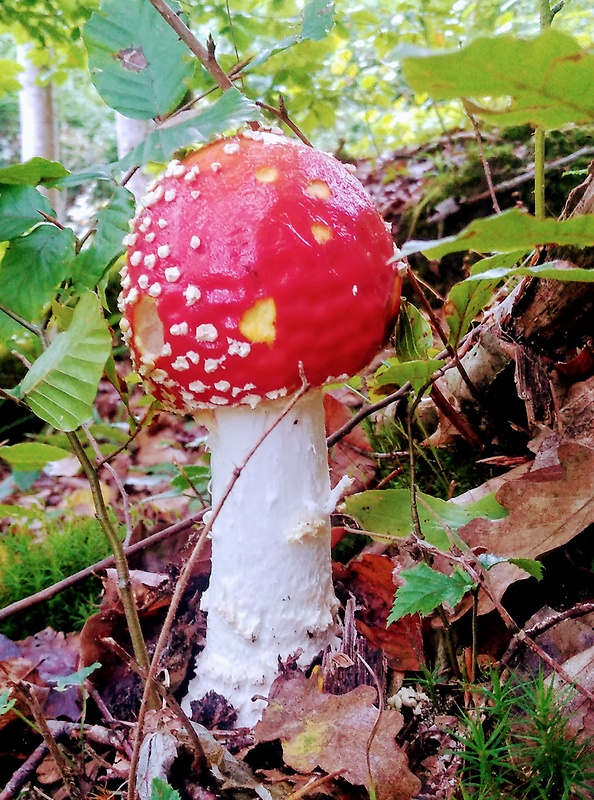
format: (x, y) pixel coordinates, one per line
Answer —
(27, 566)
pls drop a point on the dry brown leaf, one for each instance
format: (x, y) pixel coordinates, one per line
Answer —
(348, 457)
(546, 509)
(332, 732)
(370, 580)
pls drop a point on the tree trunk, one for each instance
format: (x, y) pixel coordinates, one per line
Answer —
(38, 121)
(129, 133)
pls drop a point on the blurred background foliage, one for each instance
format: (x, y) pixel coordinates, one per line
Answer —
(346, 91)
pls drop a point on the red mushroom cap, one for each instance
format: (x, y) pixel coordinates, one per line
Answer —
(254, 261)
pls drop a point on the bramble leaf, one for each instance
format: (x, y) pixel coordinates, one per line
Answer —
(425, 589)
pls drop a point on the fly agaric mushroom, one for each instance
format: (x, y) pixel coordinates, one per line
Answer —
(253, 265)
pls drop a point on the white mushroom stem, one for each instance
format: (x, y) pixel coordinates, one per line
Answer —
(270, 593)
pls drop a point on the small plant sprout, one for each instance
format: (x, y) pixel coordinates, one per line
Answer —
(258, 271)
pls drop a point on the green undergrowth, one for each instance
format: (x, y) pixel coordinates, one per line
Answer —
(28, 565)
(518, 742)
(442, 472)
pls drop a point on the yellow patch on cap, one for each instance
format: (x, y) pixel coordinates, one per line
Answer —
(321, 233)
(266, 174)
(319, 189)
(258, 324)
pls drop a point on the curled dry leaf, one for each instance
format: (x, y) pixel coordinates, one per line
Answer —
(333, 731)
(546, 508)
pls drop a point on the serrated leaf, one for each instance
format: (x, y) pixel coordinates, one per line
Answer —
(33, 172)
(31, 456)
(111, 226)
(510, 231)
(530, 565)
(466, 299)
(75, 679)
(229, 111)
(32, 268)
(61, 385)
(160, 790)
(417, 372)
(549, 78)
(385, 514)
(425, 590)
(318, 19)
(413, 336)
(20, 208)
(137, 62)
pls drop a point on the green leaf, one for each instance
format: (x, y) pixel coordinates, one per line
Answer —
(417, 372)
(137, 62)
(466, 299)
(318, 18)
(33, 172)
(20, 208)
(193, 477)
(228, 111)
(551, 270)
(10, 511)
(549, 78)
(6, 703)
(31, 270)
(510, 231)
(112, 225)
(413, 336)
(61, 385)
(75, 679)
(31, 456)
(8, 76)
(160, 790)
(385, 514)
(425, 590)
(530, 565)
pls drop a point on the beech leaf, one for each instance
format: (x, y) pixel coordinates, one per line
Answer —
(546, 508)
(549, 78)
(61, 385)
(31, 456)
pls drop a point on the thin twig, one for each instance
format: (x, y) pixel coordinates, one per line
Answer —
(182, 583)
(450, 350)
(366, 411)
(281, 114)
(203, 54)
(486, 167)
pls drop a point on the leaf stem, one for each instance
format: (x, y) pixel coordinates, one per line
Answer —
(121, 564)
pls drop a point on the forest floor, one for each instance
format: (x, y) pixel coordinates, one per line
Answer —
(392, 715)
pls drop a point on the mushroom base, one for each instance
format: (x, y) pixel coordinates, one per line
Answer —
(270, 594)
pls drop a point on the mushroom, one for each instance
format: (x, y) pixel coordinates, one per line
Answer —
(254, 265)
